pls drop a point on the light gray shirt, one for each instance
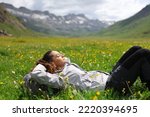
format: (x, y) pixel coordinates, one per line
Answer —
(71, 74)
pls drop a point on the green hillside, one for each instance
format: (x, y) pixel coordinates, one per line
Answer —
(137, 26)
(12, 26)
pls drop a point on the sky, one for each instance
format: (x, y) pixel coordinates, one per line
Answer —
(108, 10)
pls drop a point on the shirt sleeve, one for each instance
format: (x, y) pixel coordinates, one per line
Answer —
(40, 75)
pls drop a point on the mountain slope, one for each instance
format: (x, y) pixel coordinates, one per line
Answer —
(51, 24)
(11, 26)
(9, 23)
(135, 26)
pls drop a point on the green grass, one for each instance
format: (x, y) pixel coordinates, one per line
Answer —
(18, 57)
(129, 28)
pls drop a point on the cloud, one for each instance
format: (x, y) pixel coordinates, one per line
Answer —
(100, 9)
(119, 9)
(19, 3)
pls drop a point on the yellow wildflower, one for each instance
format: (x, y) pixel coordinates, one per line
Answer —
(94, 98)
(97, 93)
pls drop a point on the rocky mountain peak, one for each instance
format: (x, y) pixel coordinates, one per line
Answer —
(43, 21)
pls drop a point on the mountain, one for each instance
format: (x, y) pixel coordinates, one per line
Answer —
(137, 26)
(45, 22)
(12, 26)
(9, 24)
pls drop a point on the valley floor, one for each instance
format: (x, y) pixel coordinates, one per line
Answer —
(18, 57)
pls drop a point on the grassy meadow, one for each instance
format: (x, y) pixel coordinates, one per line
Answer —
(18, 57)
